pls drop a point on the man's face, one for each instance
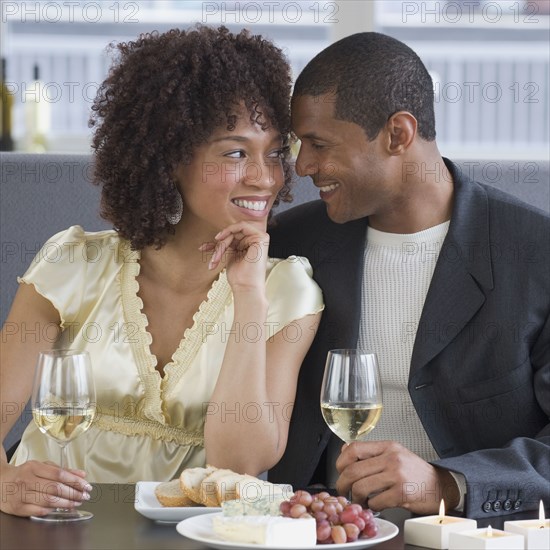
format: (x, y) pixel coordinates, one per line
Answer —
(347, 168)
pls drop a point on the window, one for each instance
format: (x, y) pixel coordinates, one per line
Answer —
(489, 60)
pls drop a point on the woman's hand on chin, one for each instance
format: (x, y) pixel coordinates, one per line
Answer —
(244, 249)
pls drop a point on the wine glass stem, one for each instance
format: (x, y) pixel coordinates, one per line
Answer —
(62, 461)
(62, 457)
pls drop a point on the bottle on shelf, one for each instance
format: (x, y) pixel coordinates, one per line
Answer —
(6, 111)
(37, 115)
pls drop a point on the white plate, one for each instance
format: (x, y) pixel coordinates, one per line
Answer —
(147, 505)
(200, 529)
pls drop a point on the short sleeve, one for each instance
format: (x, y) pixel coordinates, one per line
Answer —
(291, 292)
(58, 272)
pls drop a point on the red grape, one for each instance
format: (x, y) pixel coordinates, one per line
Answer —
(352, 531)
(303, 497)
(317, 505)
(338, 534)
(320, 516)
(366, 515)
(323, 530)
(370, 530)
(285, 507)
(297, 510)
(357, 507)
(336, 519)
(343, 501)
(349, 515)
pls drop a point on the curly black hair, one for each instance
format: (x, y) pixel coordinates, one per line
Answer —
(373, 76)
(164, 96)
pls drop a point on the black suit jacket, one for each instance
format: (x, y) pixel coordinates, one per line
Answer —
(480, 368)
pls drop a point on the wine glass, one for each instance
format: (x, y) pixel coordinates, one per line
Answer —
(351, 394)
(63, 407)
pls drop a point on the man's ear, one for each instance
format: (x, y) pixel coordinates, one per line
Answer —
(401, 131)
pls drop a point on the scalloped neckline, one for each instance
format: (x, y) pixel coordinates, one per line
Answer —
(157, 386)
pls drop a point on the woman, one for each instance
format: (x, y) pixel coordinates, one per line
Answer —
(197, 337)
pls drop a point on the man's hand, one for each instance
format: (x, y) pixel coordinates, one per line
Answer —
(388, 475)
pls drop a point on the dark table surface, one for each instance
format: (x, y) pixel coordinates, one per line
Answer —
(116, 524)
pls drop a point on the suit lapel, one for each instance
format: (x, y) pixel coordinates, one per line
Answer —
(462, 274)
(340, 268)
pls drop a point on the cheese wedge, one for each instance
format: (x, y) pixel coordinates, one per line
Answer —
(268, 530)
(265, 506)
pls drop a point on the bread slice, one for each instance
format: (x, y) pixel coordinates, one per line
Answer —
(212, 488)
(169, 493)
(191, 480)
(228, 487)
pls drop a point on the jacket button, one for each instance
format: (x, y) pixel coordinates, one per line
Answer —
(486, 506)
(497, 506)
(507, 504)
(517, 504)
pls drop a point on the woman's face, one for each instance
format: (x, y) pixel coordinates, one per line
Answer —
(233, 177)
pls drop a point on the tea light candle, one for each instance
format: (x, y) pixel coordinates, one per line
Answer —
(434, 531)
(535, 531)
(485, 539)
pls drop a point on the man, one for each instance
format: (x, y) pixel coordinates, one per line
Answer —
(446, 279)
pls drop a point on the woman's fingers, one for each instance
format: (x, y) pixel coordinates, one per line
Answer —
(37, 487)
(237, 239)
(52, 495)
(71, 478)
(241, 231)
(206, 247)
(221, 247)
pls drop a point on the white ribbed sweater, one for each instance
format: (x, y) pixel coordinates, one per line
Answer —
(397, 273)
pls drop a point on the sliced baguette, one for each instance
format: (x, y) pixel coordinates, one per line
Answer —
(191, 481)
(169, 493)
(227, 487)
(211, 487)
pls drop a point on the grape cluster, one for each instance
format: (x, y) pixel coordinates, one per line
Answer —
(337, 520)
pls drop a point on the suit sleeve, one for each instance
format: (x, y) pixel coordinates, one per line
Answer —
(517, 476)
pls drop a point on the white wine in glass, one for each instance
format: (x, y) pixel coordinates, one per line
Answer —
(351, 421)
(63, 407)
(351, 393)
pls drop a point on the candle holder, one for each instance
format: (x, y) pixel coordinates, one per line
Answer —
(434, 531)
(536, 532)
(485, 539)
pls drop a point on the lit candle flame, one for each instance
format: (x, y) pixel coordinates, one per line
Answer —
(541, 514)
(489, 532)
(441, 511)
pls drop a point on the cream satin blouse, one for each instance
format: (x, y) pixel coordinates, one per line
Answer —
(148, 427)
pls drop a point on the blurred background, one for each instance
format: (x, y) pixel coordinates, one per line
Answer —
(489, 61)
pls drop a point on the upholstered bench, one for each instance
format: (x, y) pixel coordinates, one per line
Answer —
(43, 194)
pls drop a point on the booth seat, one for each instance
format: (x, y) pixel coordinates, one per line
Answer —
(41, 194)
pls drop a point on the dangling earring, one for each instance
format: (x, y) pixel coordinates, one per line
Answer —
(177, 212)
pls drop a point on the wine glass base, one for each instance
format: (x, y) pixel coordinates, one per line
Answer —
(64, 515)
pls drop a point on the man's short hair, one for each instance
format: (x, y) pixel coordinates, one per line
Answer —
(373, 76)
